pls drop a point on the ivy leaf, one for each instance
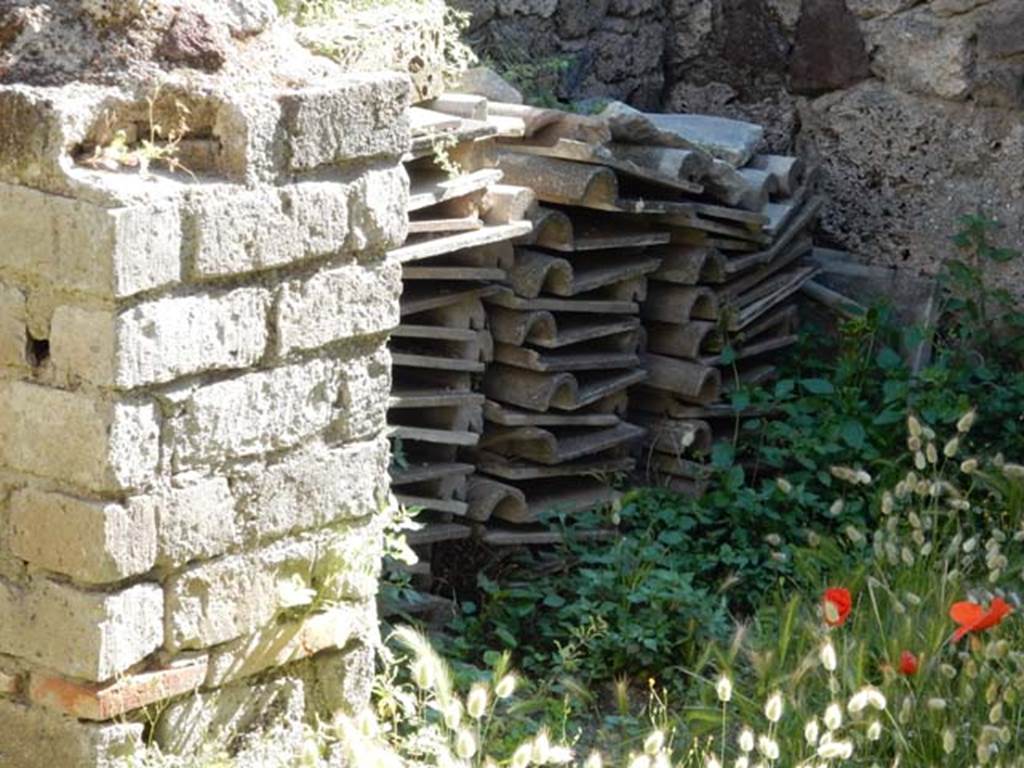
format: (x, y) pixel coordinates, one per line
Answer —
(554, 601)
(888, 359)
(722, 455)
(728, 356)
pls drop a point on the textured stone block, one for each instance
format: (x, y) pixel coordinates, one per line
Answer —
(90, 541)
(89, 635)
(281, 644)
(100, 702)
(237, 595)
(80, 247)
(195, 522)
(256, 413)
(276, 409)
(95, 444)
(359, 116)
(233, 231)
(313, 488)
(350, 301)
(162, 340)
(37, 738)
(13, 325)
(221, 716)
(340, 681)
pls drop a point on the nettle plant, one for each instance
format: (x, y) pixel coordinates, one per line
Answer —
(917, 659)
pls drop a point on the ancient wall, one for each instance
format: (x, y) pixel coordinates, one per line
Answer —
(193, 385)
(913, 107)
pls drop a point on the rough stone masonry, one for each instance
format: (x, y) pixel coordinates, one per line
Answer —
(193, 385)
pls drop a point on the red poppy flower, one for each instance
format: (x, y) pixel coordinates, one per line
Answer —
(908, 664)
(974, 618)
(837, 603)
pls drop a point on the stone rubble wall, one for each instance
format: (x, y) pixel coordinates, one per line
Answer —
(913, 107)
(193, 385)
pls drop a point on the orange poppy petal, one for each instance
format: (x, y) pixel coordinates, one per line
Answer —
(966, 613)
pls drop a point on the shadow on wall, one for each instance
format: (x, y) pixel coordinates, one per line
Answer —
(913, 107)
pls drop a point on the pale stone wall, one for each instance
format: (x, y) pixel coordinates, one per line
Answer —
(193, 385)
(915, 108)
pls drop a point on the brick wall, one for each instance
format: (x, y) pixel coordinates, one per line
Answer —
(193, 386)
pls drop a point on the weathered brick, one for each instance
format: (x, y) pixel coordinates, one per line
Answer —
(355, 117)
(89, 635)
(341, 303)
(281, 644)
(270, 410)
(86, 701)
(312, 488)
(95, 444)
(13, 324)
(162, 340)
(194, 522)
(37, 738)
(80, 247)
(236, 595)
(90, 541)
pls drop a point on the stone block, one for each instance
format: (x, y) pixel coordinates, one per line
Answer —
(13, 325)
(234, 231)
(342, 303)
(281, 644)
(95, 444)
(256, 413)
(363, 401)
(828, 51)
(89, 635)
(340, 681)
(91, 541)
(542, 8)
(159, 341)
(358, 116)
(312, 488)
(85, 701)
(237, 595)
(193, 522)
(37, 738)
(271, 410)
(84, 248)
(222, 716)
(378, 217)
(10, 684)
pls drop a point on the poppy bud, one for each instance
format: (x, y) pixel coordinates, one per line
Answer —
(908, 664)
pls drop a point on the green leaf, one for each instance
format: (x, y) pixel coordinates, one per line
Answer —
(817, 386)
(554, 601)
(888, 359)
(728, 355)
(722, 455)
(853, 434)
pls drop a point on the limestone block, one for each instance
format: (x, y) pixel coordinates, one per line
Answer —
(13, 324)
(234, 231)
(364, 396)
(340, 681)
(220, 716)
(89, 635)
(378, 209)
(921, 53)
(484, 81)
(92, 542)
(84, 248)
(194, 522)
(98, 445)
(281, 644)
(162, 340)
(338, 304)
(360, 116)
(237, 595)
(626, 48)
(258, 412)
(37, 738)
(314, 487)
